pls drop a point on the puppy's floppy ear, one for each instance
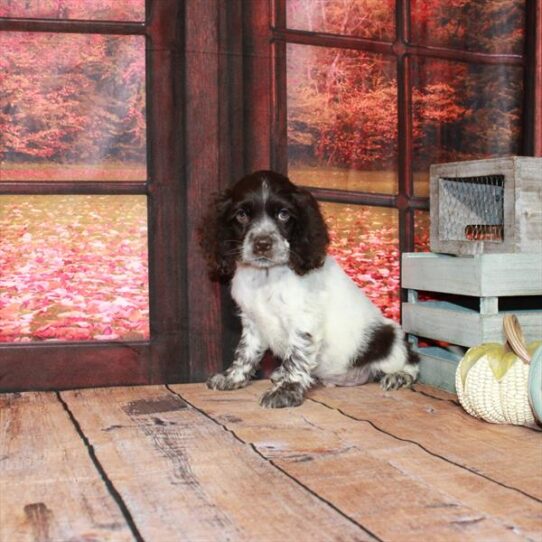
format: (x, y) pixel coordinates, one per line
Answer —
(309, 239)
(213, 233)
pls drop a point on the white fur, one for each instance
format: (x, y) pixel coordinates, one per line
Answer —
(279, 305)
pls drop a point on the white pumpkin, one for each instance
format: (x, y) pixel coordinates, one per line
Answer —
(491, 384)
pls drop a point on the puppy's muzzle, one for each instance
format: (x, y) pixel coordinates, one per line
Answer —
(262, 245)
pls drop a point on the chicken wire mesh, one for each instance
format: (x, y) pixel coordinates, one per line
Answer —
(471, 208)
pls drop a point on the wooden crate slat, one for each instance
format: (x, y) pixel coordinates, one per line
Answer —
(49, 487)
(437, 368)
(445, 321)
(485, 275)
(380, 481)
(184, 478)
(511, 275)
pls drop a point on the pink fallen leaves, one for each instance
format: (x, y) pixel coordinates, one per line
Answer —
(364, 240)
(73, 268)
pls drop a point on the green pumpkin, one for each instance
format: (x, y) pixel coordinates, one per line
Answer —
(535, 384)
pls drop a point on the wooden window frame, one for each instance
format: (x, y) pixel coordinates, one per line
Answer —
(266, 142)
(187, 159)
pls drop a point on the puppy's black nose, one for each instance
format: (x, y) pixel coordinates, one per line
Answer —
(262, 245)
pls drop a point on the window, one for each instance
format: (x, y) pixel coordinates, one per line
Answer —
(365, 94)
(74, 267)
(91, 283)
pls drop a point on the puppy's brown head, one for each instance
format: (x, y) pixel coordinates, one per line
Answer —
(263, 221)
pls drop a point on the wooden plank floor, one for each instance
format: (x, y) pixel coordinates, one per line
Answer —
(183, 463)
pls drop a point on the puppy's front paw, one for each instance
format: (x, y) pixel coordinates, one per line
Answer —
(220, 381)
(394, 381)
(284, 395)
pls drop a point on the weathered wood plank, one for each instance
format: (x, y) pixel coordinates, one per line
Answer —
(184, 478)
(510, 455)
(396, 489)
(434, 392)
(480, 275)
(49, 488)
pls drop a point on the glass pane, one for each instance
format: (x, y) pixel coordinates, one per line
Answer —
(74, 268)
(72, 107)
(463, 112)
(477, 25)
(108, 10)
(363, 18)
(342, 119)
(421, 231)
(365, 240)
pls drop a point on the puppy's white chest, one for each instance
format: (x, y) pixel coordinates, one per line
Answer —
(269, 301)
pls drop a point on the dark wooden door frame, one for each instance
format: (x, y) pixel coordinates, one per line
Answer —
(194, 139)
(214, 159)
(533, 80)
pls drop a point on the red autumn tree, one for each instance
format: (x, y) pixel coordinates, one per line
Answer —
(72, 98)
(342, 103)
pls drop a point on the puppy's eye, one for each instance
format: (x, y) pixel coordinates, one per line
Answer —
(283, 215)
(242, 216)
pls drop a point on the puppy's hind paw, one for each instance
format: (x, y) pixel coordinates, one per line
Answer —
(220, 381)
(394, 381)
(283, 396)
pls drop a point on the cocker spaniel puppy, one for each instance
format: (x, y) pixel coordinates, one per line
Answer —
(268, 237)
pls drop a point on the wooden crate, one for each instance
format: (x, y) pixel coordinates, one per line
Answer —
(487, 206)
(487, 279)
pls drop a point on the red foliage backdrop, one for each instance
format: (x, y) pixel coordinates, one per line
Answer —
(73, 107)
